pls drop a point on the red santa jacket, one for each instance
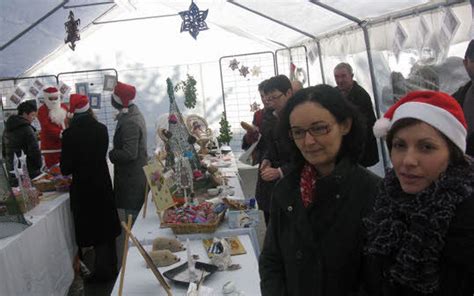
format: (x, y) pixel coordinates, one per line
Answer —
(50, 131)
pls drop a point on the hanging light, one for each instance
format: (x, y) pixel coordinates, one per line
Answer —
(72, 31)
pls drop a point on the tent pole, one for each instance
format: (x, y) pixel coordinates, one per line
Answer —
(33, 25)
(363, 25)
(87, 4)
(318, 43)
(272, 19)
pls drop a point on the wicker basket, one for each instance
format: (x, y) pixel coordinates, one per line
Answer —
(187, 228)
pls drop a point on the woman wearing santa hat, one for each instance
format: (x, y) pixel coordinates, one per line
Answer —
(421, 233)
(96, 223)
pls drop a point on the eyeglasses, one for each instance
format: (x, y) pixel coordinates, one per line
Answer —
(318, 129)
(274, 98)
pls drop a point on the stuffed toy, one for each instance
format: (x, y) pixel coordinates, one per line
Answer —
(164, 243)
(163, 258)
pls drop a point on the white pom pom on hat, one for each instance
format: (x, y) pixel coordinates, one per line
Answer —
(437, 109)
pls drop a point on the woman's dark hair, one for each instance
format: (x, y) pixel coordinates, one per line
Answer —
(27, 107)
(456, 156)
(279, 82)
(330, 99)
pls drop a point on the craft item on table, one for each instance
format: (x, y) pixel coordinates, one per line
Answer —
(159, 186)
(213, 191)
(220, 251)
(256, 70)
(72, 30)
(62, 183)
(180, 274)
(236, 247)
(193, 20)
(244, 71)
(199, 290)
(198, 127)
(29, 195)
(234, 64)
(163, 258)
(165, 243)
(192, 275)
(229, 289)
(184, 177)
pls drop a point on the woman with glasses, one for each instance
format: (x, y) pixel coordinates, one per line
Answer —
(313, 244)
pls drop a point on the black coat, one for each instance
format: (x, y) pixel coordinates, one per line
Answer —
(84, 149)
(361, 99)
(20, 135)
(456, 263)
(317, 250)
(460, 96)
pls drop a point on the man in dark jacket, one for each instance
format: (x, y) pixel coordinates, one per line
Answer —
(129, 154)
(465, 97)
(352, 91)
(83, 154)
(20, 136)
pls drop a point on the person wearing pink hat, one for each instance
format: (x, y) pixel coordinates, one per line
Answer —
(96, 222)
(129, 154)
(420, 235)
(51, 116)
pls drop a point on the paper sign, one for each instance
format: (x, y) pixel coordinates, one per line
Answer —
(159, 186)
(64, 88)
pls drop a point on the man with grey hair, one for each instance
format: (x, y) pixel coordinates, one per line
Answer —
(465, 97)
(352, 91)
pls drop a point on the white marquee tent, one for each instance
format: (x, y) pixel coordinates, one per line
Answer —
(141, 41)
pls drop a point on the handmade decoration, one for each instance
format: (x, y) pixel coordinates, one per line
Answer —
(165, 243)
(72, 31)
(236, 247)
(225, 135)
(244, 71)
(159, 188)
(256, 71)
(234, 64)
(199, 129)
(178, 142)
(254, 107)
(163, 258)
(220, 251)
(193, 20)
(189, 89)
(184, 177)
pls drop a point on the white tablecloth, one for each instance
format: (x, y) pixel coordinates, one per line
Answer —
(38, 261)
(139, 280)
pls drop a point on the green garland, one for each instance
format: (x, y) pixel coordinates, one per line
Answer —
(225, 132)
(190, 92)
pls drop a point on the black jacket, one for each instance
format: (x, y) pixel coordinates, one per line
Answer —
(20, 135)
(84, 149)
(317, 250)
(361, 99)
(460, 95)
(456, 263)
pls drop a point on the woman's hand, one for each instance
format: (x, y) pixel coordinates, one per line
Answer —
(270, 174)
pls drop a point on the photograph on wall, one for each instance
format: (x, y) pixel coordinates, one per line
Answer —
(38, 84)
(33, 91)
(94, 100)
(15, 99)
(19, 93)
(64, 88)
(109, 82)
(82, 88)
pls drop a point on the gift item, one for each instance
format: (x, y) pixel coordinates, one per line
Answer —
(242, 214)
(163, 258)
(220, 251)
(164, 243)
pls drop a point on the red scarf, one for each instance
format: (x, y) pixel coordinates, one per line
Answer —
(307, 184)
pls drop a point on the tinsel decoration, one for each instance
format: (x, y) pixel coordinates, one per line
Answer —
(72, 31)
(190, 92)
(244, 71)
(225, 135)
(254, 107)
(193, 20)
(234, 64)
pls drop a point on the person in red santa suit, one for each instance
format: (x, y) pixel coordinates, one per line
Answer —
(51, 116)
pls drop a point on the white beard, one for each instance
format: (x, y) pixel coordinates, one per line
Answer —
(57, 115)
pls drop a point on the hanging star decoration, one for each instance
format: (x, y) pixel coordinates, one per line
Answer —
(244, 71)
(194, 20)
(254, 107)
(256, 70)
(234, 64)
(72, 31)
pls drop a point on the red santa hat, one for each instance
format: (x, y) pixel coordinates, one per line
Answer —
(78, 104)
(50, 92)
(437, 109)
(124, 94)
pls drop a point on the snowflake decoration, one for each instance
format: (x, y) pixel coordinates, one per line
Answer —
(72, 30)
(256, 70)
(234, 64)
(254, 107)
(194, 20)
(244, 71)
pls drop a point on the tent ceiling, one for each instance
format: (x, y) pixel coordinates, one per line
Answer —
(48, 35)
